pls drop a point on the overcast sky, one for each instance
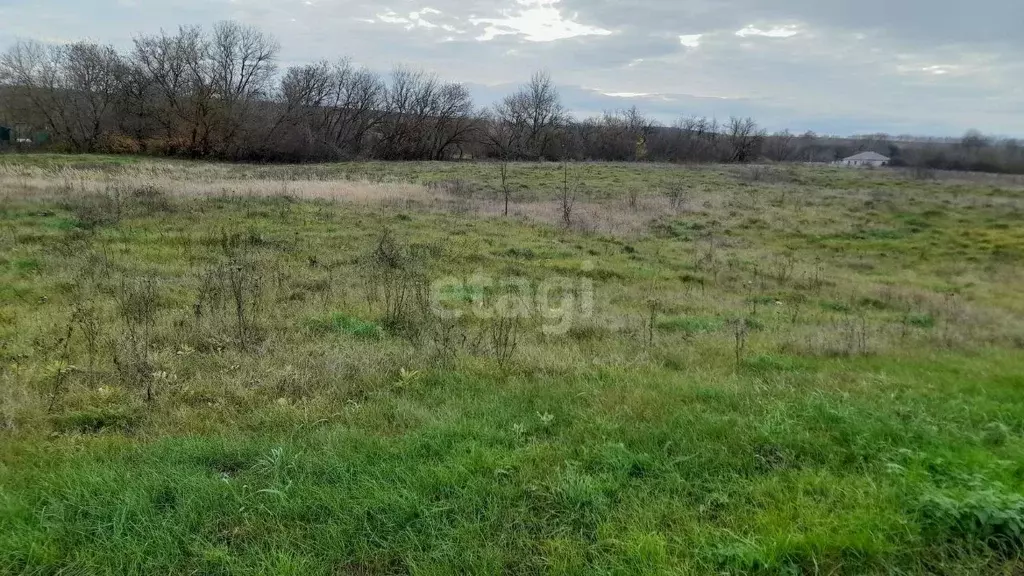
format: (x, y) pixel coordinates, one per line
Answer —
(933, 67)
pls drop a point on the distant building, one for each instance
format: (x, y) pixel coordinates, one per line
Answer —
(865, 159)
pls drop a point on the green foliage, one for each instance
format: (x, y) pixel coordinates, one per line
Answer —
(835, 306)
(920, 320)
(27, 265)
(339, 323)
(990, 517)
(768, 363)
(690, 324)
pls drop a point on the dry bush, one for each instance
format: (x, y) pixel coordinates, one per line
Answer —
(230, 297)
(94, 210)
(572, 185)
(87, 320)
(137, 309)
(633, 198)
(458, 193)
(843, 337)
(245, 286)
(769, 174)
(456, 188)
(449, 338)
(922, 173)
(503, 337)
(148, 200)
(396, 279)
(755, 174)
(678, 195)
(117, 143)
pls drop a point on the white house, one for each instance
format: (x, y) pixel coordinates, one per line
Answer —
(865, 159)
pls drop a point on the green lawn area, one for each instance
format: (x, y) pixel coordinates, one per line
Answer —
(783, 370)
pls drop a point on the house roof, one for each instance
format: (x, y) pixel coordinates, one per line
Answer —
(868, 156)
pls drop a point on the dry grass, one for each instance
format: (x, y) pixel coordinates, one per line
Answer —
(47, 186)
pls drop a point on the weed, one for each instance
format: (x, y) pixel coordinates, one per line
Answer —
(87, 318)
(245, 284)
(740, 332)
(571, 187)
(396, 277)
(449, 338)
(137, 308)
(62, 367)
(633, 198)
(503, 336)
(678, 195)
(94, 211)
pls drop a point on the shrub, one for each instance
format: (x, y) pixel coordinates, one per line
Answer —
(137, 308)
(150, 200)
(93, 211)
(396, 277)
(117, 143)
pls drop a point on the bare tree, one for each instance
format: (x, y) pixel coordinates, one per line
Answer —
(31, 71)
(71, 88)
(204, 87)
(241, 65)
(698, 140)
(619, 135)
(745, 139)
(424, 117)
(91, 76)
(780, 146)
(408, 106)
(452, 120)
(357, 107)
(182, 98)
(333, 105)
(532, 117)
(973, 141)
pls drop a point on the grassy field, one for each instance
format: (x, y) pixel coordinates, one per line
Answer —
(366, 368)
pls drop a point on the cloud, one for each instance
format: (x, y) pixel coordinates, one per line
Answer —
(690, 40)
(536, 21)
(775, 32)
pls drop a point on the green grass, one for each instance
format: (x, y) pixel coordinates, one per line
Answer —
(339, 323)
(866, 417)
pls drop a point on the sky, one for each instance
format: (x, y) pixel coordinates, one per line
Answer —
(926, 67)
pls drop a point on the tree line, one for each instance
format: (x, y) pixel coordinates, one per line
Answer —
(219, 93)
